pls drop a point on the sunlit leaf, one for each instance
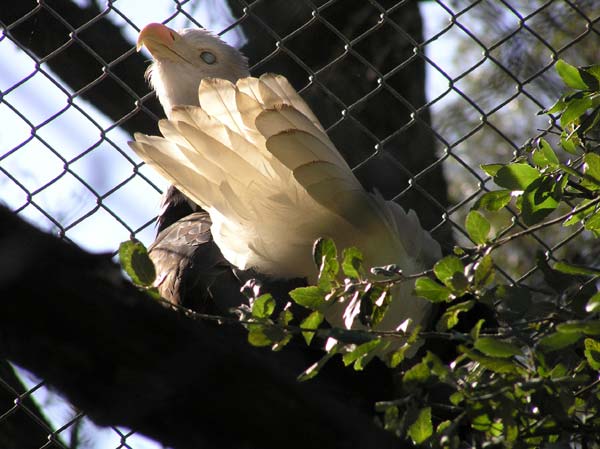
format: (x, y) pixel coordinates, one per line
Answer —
(418, 374)
(325, 257)
(516, 176)
(581, 215)
(484, 271)
(591, 169)
(257, 336)
(575, 109)
(429, 289)
(491, 169)
(592, 223)
(352, 262)
(540, 199)
(134, 259)
(311, 297)
(478, 227)
(494, 201)
(263, 306)
(593, 304)
(447, 267)
(548, 155)
(311, 322)
(361, 352)
(570, 75)
(592, 353)
(422, 428)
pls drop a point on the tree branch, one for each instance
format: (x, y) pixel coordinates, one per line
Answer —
(69, 317)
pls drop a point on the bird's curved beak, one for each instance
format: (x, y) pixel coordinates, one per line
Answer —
(160, 41)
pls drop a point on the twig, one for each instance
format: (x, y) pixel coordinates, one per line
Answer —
(545, 224)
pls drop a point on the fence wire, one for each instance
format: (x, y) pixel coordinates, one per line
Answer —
(72, 93)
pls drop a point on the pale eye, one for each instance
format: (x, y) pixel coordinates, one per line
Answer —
(208, 57)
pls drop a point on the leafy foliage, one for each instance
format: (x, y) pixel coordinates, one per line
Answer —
(528, 377)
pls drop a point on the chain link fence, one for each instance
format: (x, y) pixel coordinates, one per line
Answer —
(407, 90)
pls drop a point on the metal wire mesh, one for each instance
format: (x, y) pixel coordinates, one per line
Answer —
(65, 165)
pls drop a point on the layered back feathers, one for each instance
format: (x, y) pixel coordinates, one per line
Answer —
(257, 159)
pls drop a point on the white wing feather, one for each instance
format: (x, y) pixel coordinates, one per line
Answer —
(257, 159)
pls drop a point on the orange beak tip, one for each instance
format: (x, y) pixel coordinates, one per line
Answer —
(157, 32)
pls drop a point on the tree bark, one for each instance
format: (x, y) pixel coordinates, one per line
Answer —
(69, 317)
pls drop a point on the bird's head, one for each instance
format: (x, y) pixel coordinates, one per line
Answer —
(182, 59)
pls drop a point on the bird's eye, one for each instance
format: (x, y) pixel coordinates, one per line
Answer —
(208, 57)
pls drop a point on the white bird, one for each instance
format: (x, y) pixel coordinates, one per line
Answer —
(252, 153)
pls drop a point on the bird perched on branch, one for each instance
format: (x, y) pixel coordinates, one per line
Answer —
(253, 155)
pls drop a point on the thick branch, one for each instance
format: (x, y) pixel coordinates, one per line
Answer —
(69, 317)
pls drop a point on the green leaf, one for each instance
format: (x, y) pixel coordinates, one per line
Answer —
(263, 306)
(559, 340)
(325, 257)
(496, 348)
(484, 271)
(494, 201)
(567, 143)
(591, 169)
(447, 267)
(136, 263)
(496, 364)
(592, 223)
(315, 368)
(547, 153)
(591, 76)
(429, 289)
(593, 71)
(540, 199)
(482, 422)
(575, 109)
(324, 250)
(311, 297)
(478, 227)
(450, 317)
(352, 262)
(456, 398)
(312, 322)
(491, 169)
(592, 353)
(581, 215)
(516, 176)
(573, 269)
(257, 336)
(422, 428)
(556, 107)
(361, 352)
(570, 75)
(377, 298)
(477, 329)
(579, 327)
(398, 356)
(593, 304)
(417, 374)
